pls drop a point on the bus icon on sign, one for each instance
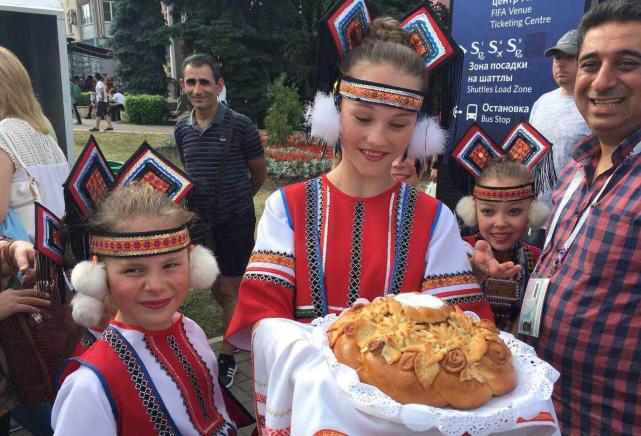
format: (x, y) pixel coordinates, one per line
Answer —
(472, 112)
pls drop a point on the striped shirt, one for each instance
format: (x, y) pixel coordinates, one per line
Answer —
(591, 326)
(202, 154)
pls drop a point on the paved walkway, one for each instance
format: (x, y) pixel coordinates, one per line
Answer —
(123, 127)
(118, 126)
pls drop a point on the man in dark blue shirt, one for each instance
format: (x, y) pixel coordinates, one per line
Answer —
(222, 151)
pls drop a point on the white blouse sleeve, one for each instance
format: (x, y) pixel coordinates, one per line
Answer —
(447, 253)
(448, 273)
(82, 408)
(275, 229)
(447, 268)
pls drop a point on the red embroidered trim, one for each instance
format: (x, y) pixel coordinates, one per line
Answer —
(261, 398)
(161, 350)
(273, 258)
(260, 421)
(132, 245)
(512, 193)
(443, 282)
(381, 95)
(276, 432)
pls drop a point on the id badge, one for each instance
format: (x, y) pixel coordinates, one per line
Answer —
(532, 308)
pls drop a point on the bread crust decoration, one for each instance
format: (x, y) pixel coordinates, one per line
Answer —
(433, 354)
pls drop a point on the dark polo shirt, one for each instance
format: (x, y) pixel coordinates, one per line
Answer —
(202, 151)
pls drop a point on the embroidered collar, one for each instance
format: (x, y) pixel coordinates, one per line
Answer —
(139, 244)
(370, 92)
(383, 196)
(176, 321)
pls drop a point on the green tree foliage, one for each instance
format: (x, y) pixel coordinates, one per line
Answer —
(258, 40)
(139, 44)
(285, 112)
(289, 31)
(219, 28)
(255, 41)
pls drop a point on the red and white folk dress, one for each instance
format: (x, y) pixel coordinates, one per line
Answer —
(505, 296)
(318, 250)
(134, 382)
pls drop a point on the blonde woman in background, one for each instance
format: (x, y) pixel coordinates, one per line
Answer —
(28, 149)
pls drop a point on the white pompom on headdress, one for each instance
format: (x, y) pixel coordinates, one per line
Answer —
(203, 268)
(466, 210)
(89, 280)
(324, 119)
(86, 311)
(538, 214)
(428, 139)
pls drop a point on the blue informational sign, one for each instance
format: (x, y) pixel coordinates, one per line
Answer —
(505, 70)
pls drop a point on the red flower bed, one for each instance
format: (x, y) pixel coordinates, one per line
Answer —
(297, 148)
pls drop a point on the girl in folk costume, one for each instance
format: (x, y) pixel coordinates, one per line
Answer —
(152, 370)
(89, 182)
(504, 207)
(357, 232)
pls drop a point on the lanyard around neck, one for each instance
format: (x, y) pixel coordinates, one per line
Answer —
(574, 185)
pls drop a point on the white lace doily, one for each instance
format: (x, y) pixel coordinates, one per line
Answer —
(535, 380)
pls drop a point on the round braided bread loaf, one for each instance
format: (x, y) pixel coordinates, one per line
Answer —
(416, 349)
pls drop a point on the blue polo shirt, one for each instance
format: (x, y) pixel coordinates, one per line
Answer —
(202, 152)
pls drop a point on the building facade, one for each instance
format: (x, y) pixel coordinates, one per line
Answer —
(88, 22)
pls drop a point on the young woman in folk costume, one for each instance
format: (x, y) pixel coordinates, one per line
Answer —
(357, 232)
(152, 370)
(504, 208)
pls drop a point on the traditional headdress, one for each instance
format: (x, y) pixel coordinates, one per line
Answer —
(345, 26)
(525, 145)
(89, 183)
(49, 244)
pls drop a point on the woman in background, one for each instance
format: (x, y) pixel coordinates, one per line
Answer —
(28, 150)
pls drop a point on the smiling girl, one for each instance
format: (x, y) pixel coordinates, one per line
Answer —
(356, 231)
(152, 370)
(504, 208)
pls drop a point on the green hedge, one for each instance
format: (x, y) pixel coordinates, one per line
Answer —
(146, 109)
(84, 99)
